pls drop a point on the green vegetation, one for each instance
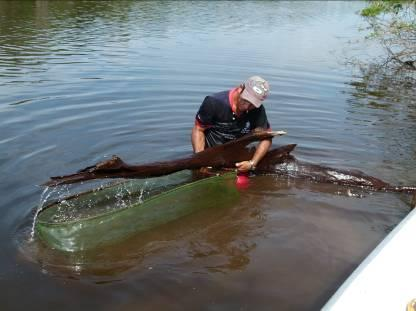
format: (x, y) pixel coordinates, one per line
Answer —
(387, 6)
(393, 23)
(386, 81)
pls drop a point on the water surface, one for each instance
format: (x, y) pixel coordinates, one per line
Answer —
(81, 81)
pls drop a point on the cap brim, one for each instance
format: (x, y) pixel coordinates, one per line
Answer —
(250, 98)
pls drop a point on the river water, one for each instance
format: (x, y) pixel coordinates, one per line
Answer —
(81, 81)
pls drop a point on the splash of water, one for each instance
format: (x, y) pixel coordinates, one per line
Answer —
(126, 196)
(43, 199)
(123, 196)
(69, 207)
(141, 193)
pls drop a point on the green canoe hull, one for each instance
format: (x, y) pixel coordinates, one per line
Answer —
(110, 227)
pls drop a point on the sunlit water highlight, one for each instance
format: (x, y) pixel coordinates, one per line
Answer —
(43, 199)
(82, 80)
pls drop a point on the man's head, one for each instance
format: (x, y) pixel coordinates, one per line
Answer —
(254, 91)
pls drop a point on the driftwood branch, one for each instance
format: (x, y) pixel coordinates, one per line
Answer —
(225, 155)
(277, 161)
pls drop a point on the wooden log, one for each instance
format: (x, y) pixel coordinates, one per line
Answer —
(225, 155)
(277, 161)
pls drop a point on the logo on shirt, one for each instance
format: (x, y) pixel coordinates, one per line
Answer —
(246, 128)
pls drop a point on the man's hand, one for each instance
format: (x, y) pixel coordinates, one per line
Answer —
(207, 170)
(244, 166)
(261, 150)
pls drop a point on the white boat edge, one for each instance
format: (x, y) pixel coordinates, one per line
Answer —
(385, 280)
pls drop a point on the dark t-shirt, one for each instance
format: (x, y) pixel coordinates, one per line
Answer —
(221, 124)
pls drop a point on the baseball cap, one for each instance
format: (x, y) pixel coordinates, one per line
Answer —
(256, 90)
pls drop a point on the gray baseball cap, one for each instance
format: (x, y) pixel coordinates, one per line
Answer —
(256, 89)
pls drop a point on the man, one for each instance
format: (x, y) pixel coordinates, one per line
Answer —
(228, 115)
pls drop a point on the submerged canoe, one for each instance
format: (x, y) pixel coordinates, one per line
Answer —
(111, 214)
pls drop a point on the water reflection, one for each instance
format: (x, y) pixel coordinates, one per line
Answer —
(82, 80)
(216, 240)
(224, 240)
(382, 105)
(37, 35)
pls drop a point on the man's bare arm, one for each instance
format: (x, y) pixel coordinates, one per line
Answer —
(198, 138)
(261, 150)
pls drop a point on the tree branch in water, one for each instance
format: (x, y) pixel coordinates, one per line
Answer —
(225, 155)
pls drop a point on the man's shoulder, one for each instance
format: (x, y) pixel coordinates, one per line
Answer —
(220, 96)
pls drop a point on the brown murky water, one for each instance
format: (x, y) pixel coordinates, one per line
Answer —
(80, 81)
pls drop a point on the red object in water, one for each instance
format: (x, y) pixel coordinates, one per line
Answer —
(242, 180)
